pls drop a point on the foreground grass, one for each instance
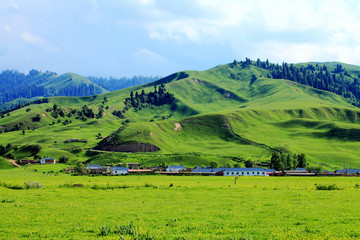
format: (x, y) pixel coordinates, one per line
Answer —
(169, 207)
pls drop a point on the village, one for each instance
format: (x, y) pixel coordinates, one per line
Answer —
(136, 168)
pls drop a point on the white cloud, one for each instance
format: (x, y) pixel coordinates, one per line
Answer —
(30, 38)
(7, 28)
(146, 56)
(301, 30)
(146, 2)
(13, 5)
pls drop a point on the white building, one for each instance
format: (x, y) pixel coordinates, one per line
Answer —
(47, 161)
(119, 170)
(244, 172)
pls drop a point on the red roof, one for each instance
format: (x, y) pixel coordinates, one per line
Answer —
(139, 170)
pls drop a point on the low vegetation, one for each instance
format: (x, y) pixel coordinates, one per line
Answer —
(173, 207)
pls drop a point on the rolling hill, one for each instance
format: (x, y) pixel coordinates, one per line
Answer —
(226, 114)
(17, 88)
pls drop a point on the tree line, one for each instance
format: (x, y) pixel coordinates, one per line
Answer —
(113, 84)
(338, 81)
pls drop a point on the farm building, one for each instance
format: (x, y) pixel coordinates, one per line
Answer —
(119, 170)
(232, 171)
(348, 171)
(29, 161)
(47, 161)
(175, 168)
(244, 172)
(140, 171)
(270, 171)
(202, 170)
(93, 167)
(97, 169)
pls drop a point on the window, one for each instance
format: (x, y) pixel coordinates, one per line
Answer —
(115, 171)
(242, 173)
(247, 173)
(232, 173)
(237, 173)
(258, 173)
(253, 173)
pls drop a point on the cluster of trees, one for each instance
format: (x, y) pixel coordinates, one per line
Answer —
(32, 150)
(5, 149)
(338, 81)
(281, 161)
(56, 111)
(113, 84)
(160, 96)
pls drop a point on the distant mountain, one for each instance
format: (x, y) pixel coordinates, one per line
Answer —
(113, 84)
(18, 88)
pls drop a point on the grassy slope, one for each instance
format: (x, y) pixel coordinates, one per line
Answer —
(71, 80)
(277, 113)
(4, 164)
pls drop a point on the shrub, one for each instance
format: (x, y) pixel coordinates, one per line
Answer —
(104, 230)
(6, 200)
(33, 185)
(63, 159)
(327, 187)
(149, 185)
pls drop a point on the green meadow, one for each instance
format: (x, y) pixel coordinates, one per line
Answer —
(175, 207)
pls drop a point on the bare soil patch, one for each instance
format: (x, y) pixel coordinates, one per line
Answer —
(178, 126)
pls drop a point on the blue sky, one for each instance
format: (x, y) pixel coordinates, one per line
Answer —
(159, 37)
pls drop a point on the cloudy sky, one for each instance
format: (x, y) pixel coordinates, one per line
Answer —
(158, 37)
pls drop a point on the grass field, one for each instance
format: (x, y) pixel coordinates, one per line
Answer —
(176, 207)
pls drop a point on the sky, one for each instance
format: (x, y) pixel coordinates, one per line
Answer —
(159, 37)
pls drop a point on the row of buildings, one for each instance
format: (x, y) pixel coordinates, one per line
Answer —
(207, 171)
(175, 170)
(134, 168)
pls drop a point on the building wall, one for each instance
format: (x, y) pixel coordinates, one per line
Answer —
(119, 172)
(245, 173)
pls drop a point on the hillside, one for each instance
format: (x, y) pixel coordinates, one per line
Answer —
(19, 88)
(226, 114)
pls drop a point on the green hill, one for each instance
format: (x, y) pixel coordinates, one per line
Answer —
(64, 84)
(18, 88)
(226, 114)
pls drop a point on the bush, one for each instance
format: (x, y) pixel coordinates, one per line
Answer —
(327, 187)
(63, 159)
(104, 230)
(33, 185)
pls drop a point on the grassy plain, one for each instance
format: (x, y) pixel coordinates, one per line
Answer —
(177, 207)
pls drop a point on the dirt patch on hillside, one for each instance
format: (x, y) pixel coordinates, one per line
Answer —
(13, 162)
(178, 126)
(43, 115)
